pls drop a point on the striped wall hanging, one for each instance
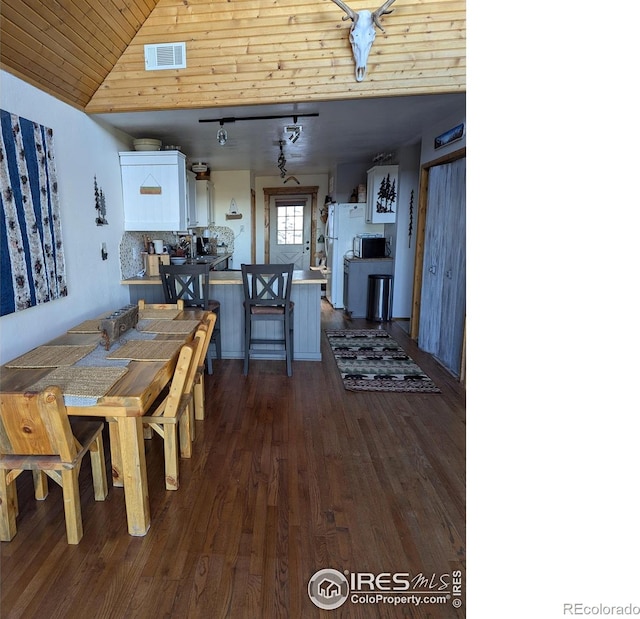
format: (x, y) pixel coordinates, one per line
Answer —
(32, 266)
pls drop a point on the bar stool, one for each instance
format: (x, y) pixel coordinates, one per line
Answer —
(190, 283)
(267, 296)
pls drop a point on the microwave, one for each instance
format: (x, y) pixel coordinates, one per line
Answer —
(367, 246)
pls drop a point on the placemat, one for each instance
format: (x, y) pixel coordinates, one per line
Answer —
(154, 313)
(171, 326)
(88, 326)
(50, 356)
(98, 356)
(81, 386)
(146, 350)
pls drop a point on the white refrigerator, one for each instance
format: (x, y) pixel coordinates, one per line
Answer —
(344, 221)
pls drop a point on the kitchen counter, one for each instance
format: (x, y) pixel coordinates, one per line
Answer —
(232, 278)
(226, 287)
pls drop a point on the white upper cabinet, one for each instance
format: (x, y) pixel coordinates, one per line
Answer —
(382, 194)
(204, 203)
(192, 201)
(154, 191)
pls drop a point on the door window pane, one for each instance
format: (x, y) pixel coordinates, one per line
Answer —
(290, 222)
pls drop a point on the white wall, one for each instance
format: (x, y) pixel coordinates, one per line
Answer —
(403, 253)
(429, 153)
(234, 185)
(83, 149)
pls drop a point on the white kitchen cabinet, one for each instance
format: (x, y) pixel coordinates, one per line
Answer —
(382, 194)
(192, 215)
(204, 203)
(154, 190)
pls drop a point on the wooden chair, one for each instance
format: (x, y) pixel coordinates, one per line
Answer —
(267, 296)
(142, 305)
(37, 434)
(176, 409)
(198, 388)
(190, 283)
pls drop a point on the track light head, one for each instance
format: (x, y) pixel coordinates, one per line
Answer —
(222, 135)
(295, 130)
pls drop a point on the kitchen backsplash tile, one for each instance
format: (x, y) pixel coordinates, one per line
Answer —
(132, 246)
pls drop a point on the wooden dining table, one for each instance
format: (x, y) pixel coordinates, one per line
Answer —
(122, 405)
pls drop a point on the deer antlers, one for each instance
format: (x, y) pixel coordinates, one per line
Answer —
(383, 10)
(376, 15)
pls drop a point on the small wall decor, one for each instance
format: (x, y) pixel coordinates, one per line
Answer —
(233, 211)
(150, 187)
(410, 217)
(386, 196)
(453, 135)
(32, 264)
(101, 205)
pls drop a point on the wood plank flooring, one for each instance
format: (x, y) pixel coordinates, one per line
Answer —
(288, 476)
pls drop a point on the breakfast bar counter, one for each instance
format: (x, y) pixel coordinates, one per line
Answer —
(226, 287)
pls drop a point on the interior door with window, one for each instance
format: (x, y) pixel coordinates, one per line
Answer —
(290, 231)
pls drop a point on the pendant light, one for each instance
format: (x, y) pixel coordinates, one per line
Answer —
(222, 135)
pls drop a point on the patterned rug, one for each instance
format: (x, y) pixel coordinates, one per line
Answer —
(371, 360)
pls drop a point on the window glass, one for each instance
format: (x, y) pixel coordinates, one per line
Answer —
(290, 222)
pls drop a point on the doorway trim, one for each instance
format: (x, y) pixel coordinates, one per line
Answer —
(310, 190)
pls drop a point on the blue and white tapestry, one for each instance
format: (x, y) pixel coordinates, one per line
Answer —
(32, 268)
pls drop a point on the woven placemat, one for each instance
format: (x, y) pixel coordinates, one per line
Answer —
(171, 326)
(155, 314)
(82, 382)
(51, 356)
(147, 350)
(88, 326)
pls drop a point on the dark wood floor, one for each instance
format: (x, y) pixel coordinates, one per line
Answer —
(289, 476)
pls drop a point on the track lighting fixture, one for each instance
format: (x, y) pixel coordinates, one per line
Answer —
(222, 134)
(295, 130)
(282, 161)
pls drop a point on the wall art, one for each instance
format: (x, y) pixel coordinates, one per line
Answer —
(453, 135)
(100, 204)
(32, 265)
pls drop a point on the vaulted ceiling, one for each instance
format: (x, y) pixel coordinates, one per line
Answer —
(285, 54)
(68, 48)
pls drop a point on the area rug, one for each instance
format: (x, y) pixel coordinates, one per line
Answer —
(371, 360)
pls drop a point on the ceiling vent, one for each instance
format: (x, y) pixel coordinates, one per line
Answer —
(165, 56)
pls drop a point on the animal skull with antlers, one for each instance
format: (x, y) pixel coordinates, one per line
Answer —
(363, 32)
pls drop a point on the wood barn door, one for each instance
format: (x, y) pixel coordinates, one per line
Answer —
(443, 295)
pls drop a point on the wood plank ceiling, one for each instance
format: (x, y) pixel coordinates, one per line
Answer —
(68, 47)
(90, 53)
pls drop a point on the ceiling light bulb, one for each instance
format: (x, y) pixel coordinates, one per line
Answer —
(222, 136)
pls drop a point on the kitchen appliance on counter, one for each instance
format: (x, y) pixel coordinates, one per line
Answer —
(369, 246)
(344, 222)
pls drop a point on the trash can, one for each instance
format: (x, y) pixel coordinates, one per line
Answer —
(379, 297)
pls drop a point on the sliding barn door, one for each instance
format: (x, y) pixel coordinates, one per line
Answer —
(443, 299)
